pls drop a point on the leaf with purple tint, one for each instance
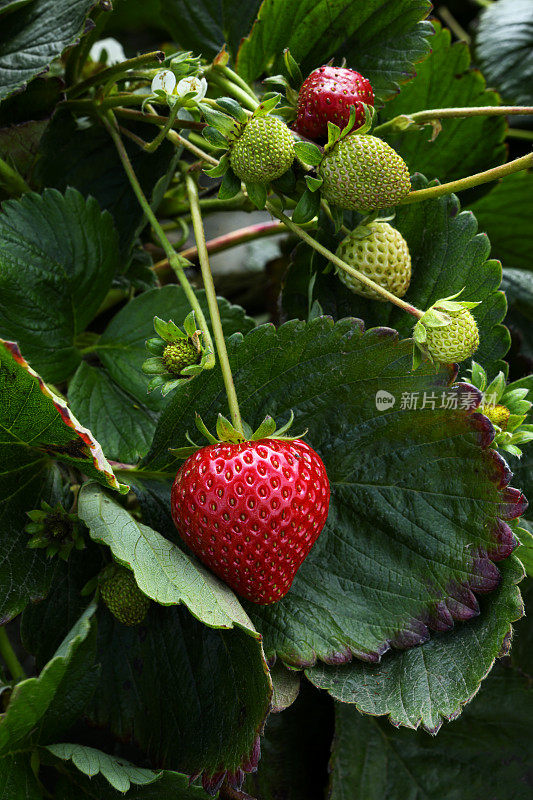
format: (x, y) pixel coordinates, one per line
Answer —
(426, 685)
(36, 430)
(419, 499)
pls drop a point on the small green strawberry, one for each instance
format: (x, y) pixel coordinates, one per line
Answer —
(55, 529)
(380, 252)
(180, 354)
(363, 173)
(123, 597)
(447, 332)
(263, 151)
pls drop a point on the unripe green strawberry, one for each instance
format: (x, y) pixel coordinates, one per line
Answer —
(456, 341)
(180, 354)
(263, 151)
(363, 173)
(382, 255)
(497, 414)
(123, 597)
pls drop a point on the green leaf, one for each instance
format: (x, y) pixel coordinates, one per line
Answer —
(58, 255)
(447, 254)
(432, 683)
(34, 35)
(73, 785)
(206, 25)
(163, 571)
(118, 390)
(413, 494)
(463, 146)
(504, 38)
(382, 40)
(117, 771)
(213, 691)
(307, 207)
(486, 753)
(217, 120)
(285, 685)
(17, 779)
(42, 708)
(505, 214)
(518, 287)
(118, 420)
(90, 163)
(6, 6)
(35, 427)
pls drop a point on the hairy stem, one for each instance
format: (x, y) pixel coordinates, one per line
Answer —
(420, 117)
(338, 262)
(472, 180)
(115, 71)
(157, 119)
(246, 99)
(8, 654)
(181, 141)
(225, 242)
(176, 261)
(11, 181)
(192, 192)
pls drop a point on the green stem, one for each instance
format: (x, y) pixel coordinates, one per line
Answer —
(156, 119)
(519, 133)
(181, 141)
(173, 207)
(114, 71)
(233, 76)
(338, 262)
(11, 181)
(192, 191)
(467, 183)
(397, 124)
(154, 144)
(177, 263)
(8, 654)
(248, 101)
(79, 54)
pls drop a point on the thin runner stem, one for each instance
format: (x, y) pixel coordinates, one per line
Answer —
(192, 192)
(419, 117)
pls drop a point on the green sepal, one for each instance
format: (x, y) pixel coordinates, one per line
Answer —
(220, 169)
(156, 382)
(230, 186)
(307, 207)
(269, 102)
(257, 192)
(265, 430)
(495, 390)
(155, 346)
(417, 357)
(204, 430)
(434, 319)
(367, 124)
(226, 431)
(313, 183)
(419, 333)
(215, 138)
(309, 153)
(153, 366)
(232, 107)
(170, 385)
(277, 80)
(293, 70)
(334, 134)
(189, 324)
(183, 452)
(479, 376)
(168, 331)
(449, 305)
(192, 370)
(218, 120)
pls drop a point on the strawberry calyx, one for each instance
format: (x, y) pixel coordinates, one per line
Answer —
(226, 432)
(177, 354)
(440, 315)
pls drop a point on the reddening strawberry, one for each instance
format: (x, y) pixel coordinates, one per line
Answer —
(326, 96)
(252, 511)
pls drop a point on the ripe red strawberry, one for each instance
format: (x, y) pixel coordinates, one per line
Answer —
(252, 511)
(326, 96)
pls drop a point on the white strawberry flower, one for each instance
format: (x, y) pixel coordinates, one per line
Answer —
(164, 81)
(192, 84)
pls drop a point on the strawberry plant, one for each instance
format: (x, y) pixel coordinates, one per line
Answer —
(265, 399)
